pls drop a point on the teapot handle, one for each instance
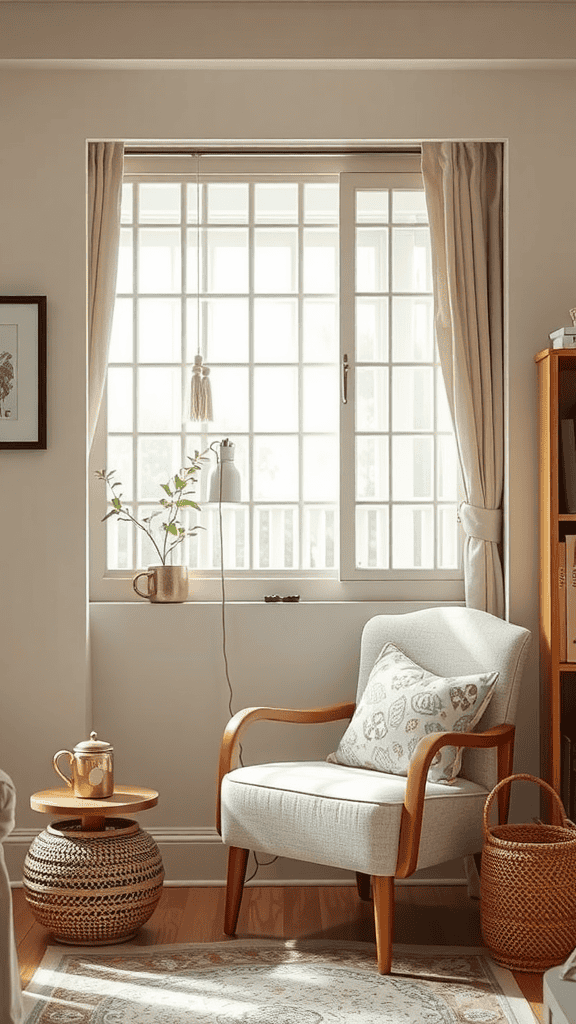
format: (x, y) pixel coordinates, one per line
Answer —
(55, 760)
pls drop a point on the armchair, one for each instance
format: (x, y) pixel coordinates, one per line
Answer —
(379, 825)
(11, 1004)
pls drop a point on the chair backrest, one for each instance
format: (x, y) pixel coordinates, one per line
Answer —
(452, 641)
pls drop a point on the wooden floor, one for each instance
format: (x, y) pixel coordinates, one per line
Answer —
(425, 915)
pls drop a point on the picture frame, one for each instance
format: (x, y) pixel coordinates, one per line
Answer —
(23, 372)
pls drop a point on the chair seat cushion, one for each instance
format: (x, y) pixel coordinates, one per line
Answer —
(346, 817)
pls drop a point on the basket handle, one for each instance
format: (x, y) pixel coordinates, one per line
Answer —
(527, 778)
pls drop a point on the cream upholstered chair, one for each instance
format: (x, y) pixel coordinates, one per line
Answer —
(376, 824)
(11, 1010)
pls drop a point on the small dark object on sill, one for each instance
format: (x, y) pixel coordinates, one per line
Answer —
(274, 598)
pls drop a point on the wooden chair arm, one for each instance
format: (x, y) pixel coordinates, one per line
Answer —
(500, 736)
(240, 722)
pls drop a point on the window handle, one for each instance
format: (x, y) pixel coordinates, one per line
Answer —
(345, 368)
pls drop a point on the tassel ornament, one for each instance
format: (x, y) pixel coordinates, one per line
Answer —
(201, 396)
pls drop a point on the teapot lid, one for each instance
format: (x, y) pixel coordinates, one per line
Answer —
(93, 745)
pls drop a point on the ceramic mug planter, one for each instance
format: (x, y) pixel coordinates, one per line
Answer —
(165, 584)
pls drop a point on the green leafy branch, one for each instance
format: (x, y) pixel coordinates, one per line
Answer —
(177, 498)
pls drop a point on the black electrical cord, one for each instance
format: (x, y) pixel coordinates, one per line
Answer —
(259, 864)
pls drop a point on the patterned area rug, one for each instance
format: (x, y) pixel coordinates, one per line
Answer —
(271, 982)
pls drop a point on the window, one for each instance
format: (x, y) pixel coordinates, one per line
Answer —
(315, 317)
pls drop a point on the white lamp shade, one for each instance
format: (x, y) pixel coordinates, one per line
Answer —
(225, 479)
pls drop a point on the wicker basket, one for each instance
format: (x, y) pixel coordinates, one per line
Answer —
(528, 889)
(91, 888)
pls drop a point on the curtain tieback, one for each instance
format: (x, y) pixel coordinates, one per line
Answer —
(482, 523)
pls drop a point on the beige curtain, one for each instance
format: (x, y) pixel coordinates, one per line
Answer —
(463, 184)
(105, 170)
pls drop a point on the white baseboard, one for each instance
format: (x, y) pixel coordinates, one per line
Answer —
(197, 857)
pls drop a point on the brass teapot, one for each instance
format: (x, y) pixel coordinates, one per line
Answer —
(92, 768)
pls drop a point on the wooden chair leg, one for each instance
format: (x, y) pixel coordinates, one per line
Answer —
(237, 860)
(363, 885)
(383, 895)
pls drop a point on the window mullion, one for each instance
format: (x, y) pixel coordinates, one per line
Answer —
(135, 344)
(250, 481)
(300, 285)
(391, 365)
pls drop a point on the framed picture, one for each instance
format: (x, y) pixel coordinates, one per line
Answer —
(23, 372)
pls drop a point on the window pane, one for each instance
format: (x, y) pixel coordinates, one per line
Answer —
(158, 460)
(124, 280)
(126, 203)
(121, 337)
(409, 207)
(159, 399)
(119, 399)
(146, 553)
(372, 470)
(372, 330)
(372, 260)
(275, 260)
(372, 537)
(192, 283)
(411, 260)
(227, 260)
(159, 331)
(320, 469)
(412, 468)
(320, 398)
(319, 538)
(275, 398)
(371, 398)
(276, 468)
(227, 203)
(372, 206)
(194, 197)
(205, 547)
(320, 330)
(159, 265)
(224, 330)
(275, 330)
(443, 417)
(448, 553)
(320, 261)
(413, 537)
(276, 203)
(119, 544)
(229, 387)
(447, 471)
(413, 329)
(321, 204)
(159, 203)
(275, 537)
(412, 398)
(119, 458)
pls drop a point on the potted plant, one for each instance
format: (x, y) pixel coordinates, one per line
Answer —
(165, 583)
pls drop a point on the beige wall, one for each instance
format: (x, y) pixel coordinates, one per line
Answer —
(162, 704)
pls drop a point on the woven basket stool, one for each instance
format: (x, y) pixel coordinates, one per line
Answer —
(93, 888)
(528, 889)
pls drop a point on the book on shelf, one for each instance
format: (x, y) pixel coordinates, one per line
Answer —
(571, 597)
(568, 451)
(562, 599)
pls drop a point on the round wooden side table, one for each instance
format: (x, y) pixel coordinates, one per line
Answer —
(95, 878)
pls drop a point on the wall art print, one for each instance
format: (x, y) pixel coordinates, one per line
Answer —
(23, 372)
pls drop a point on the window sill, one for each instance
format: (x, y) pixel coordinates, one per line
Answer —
(317, 591)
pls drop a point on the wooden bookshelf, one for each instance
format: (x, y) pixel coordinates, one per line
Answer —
(556, 396)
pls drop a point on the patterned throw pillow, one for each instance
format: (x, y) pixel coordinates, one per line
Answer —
(402, 703)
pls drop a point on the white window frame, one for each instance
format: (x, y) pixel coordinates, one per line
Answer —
(252, 585)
